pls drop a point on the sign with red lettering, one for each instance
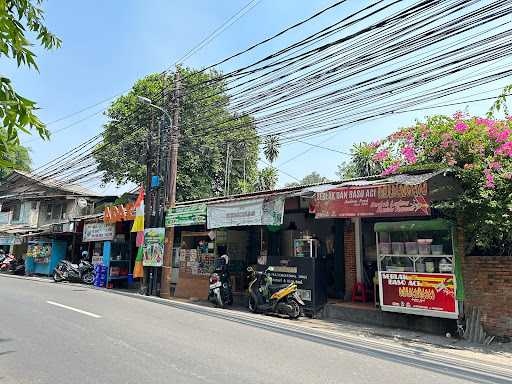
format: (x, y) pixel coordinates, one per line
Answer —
(387, 200)
(429, 294)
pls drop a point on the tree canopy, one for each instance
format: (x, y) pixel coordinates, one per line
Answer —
(312, 178)
(207, 127)
(17, 112)
(477, 149)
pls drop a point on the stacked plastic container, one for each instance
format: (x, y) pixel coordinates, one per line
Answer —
(100, 275)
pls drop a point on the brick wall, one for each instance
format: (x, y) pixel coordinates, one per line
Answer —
(488, 286)
(350, 259)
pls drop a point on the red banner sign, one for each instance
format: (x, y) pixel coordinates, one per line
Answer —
(431, 293)
(386, 200)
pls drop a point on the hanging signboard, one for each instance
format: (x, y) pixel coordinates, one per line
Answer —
(386, 200)
(182, 216)
(10, 240)
(153, 247)
(260, 211)
(122, 212)
(428, 294)
(98, 232)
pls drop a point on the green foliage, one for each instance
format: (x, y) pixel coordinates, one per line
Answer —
(207, 127)
(17, 113)
(17, 158)
(271, 148)
(267, 179)
(312, 178)
(361, 164)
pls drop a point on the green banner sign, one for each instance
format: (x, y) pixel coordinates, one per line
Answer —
(190, 215)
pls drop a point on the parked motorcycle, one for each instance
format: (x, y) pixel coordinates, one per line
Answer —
(220, 292)
(273, 299)
(5, 264)
(82, 272)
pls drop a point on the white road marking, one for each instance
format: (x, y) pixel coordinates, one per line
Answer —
(74, 309)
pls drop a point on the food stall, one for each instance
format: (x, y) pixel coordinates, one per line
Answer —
(43, 255)
(416, 262)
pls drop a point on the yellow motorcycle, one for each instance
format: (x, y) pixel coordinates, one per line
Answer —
(264, 297)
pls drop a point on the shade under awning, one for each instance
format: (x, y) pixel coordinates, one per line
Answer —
(413, 226)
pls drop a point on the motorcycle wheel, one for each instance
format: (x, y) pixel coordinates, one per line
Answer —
(56, 277)
(88, 278)
(220, 303)
(296, 310)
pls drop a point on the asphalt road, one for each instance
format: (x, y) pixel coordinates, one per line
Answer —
(58, 333)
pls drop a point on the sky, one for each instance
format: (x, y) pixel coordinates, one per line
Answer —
(108, 45)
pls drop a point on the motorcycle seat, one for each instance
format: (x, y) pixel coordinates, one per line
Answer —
(276, 288)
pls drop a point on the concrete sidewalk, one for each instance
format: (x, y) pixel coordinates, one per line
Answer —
(498, 355)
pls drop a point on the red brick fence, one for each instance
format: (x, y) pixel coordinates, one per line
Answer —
(488, 286)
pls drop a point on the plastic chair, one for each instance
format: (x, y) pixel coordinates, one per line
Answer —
(359, 293)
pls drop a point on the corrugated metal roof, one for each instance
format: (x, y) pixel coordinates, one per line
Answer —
(55, 184)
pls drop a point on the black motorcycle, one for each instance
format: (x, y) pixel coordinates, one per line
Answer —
(220, 292)
(82, 272)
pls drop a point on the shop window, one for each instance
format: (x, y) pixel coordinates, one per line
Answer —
(16, 212)
(54, 211)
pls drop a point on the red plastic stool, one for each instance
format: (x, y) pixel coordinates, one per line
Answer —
(359, 293)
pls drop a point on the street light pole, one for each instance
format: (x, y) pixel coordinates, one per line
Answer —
(165, 287)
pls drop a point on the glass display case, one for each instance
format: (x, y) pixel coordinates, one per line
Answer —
(416, 265)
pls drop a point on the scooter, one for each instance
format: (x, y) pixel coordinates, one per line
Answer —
(5, 265)
(220, 292)
(82, 272)
(273, 299)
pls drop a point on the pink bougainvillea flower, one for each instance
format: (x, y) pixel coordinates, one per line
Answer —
(461, 127)
(508, 176)
(381, 155)
(468, 166)
(489, 179)
(391, 169)
(460, 115)
(503, 136)
(509, 118)
(452, 162)
(409, 154)
(375, 144)
(496, 165)
(505, 149)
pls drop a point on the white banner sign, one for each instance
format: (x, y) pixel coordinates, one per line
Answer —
(261, 211)
(9, 240)
(98, 232)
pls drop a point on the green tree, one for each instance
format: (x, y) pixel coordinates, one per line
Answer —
(207, 127)
(312, 178)
(17, 112)
(17, 158)
(268, 176)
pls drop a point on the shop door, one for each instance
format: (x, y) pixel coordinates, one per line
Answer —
(338, 291)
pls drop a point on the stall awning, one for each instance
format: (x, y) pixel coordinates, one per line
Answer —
(413, 226)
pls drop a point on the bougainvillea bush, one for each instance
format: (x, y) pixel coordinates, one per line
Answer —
(479, 150)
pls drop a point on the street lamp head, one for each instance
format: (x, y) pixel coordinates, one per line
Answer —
(143, 100)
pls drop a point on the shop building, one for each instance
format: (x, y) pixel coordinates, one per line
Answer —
(38, 219)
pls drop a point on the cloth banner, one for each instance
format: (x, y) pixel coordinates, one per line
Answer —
(260, 211)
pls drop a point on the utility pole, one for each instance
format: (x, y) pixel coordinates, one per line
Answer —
(174, 132)
(226, 185)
